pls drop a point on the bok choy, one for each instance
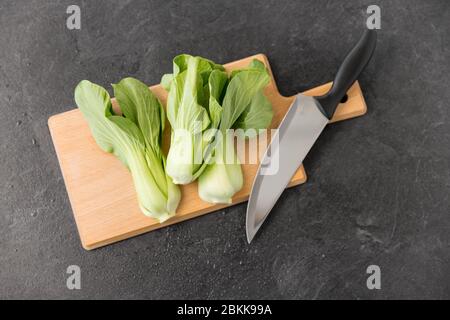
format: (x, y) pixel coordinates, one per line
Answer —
(189, 114)
(244, 107)
(204, 103)
(134, 137)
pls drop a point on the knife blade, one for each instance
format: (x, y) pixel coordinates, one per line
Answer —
(300, 128)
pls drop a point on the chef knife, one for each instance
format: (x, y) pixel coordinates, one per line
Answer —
(298, 131)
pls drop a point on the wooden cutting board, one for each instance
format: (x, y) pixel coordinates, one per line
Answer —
(100, 188)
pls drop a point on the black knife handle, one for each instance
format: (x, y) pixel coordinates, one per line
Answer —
(354, 63)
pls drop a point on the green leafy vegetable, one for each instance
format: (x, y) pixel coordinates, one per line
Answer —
(203, 104)
(135, 138)
(240, 92)
(180, 64)
(257, 116)
(243, 98)
(189, 114)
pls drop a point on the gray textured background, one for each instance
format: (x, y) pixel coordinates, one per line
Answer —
(378, 188)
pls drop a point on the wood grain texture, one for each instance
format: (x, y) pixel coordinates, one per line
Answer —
(100, 188)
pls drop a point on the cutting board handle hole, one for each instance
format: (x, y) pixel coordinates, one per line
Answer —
(344, 99)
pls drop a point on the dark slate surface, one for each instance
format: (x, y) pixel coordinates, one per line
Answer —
(378, 188)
